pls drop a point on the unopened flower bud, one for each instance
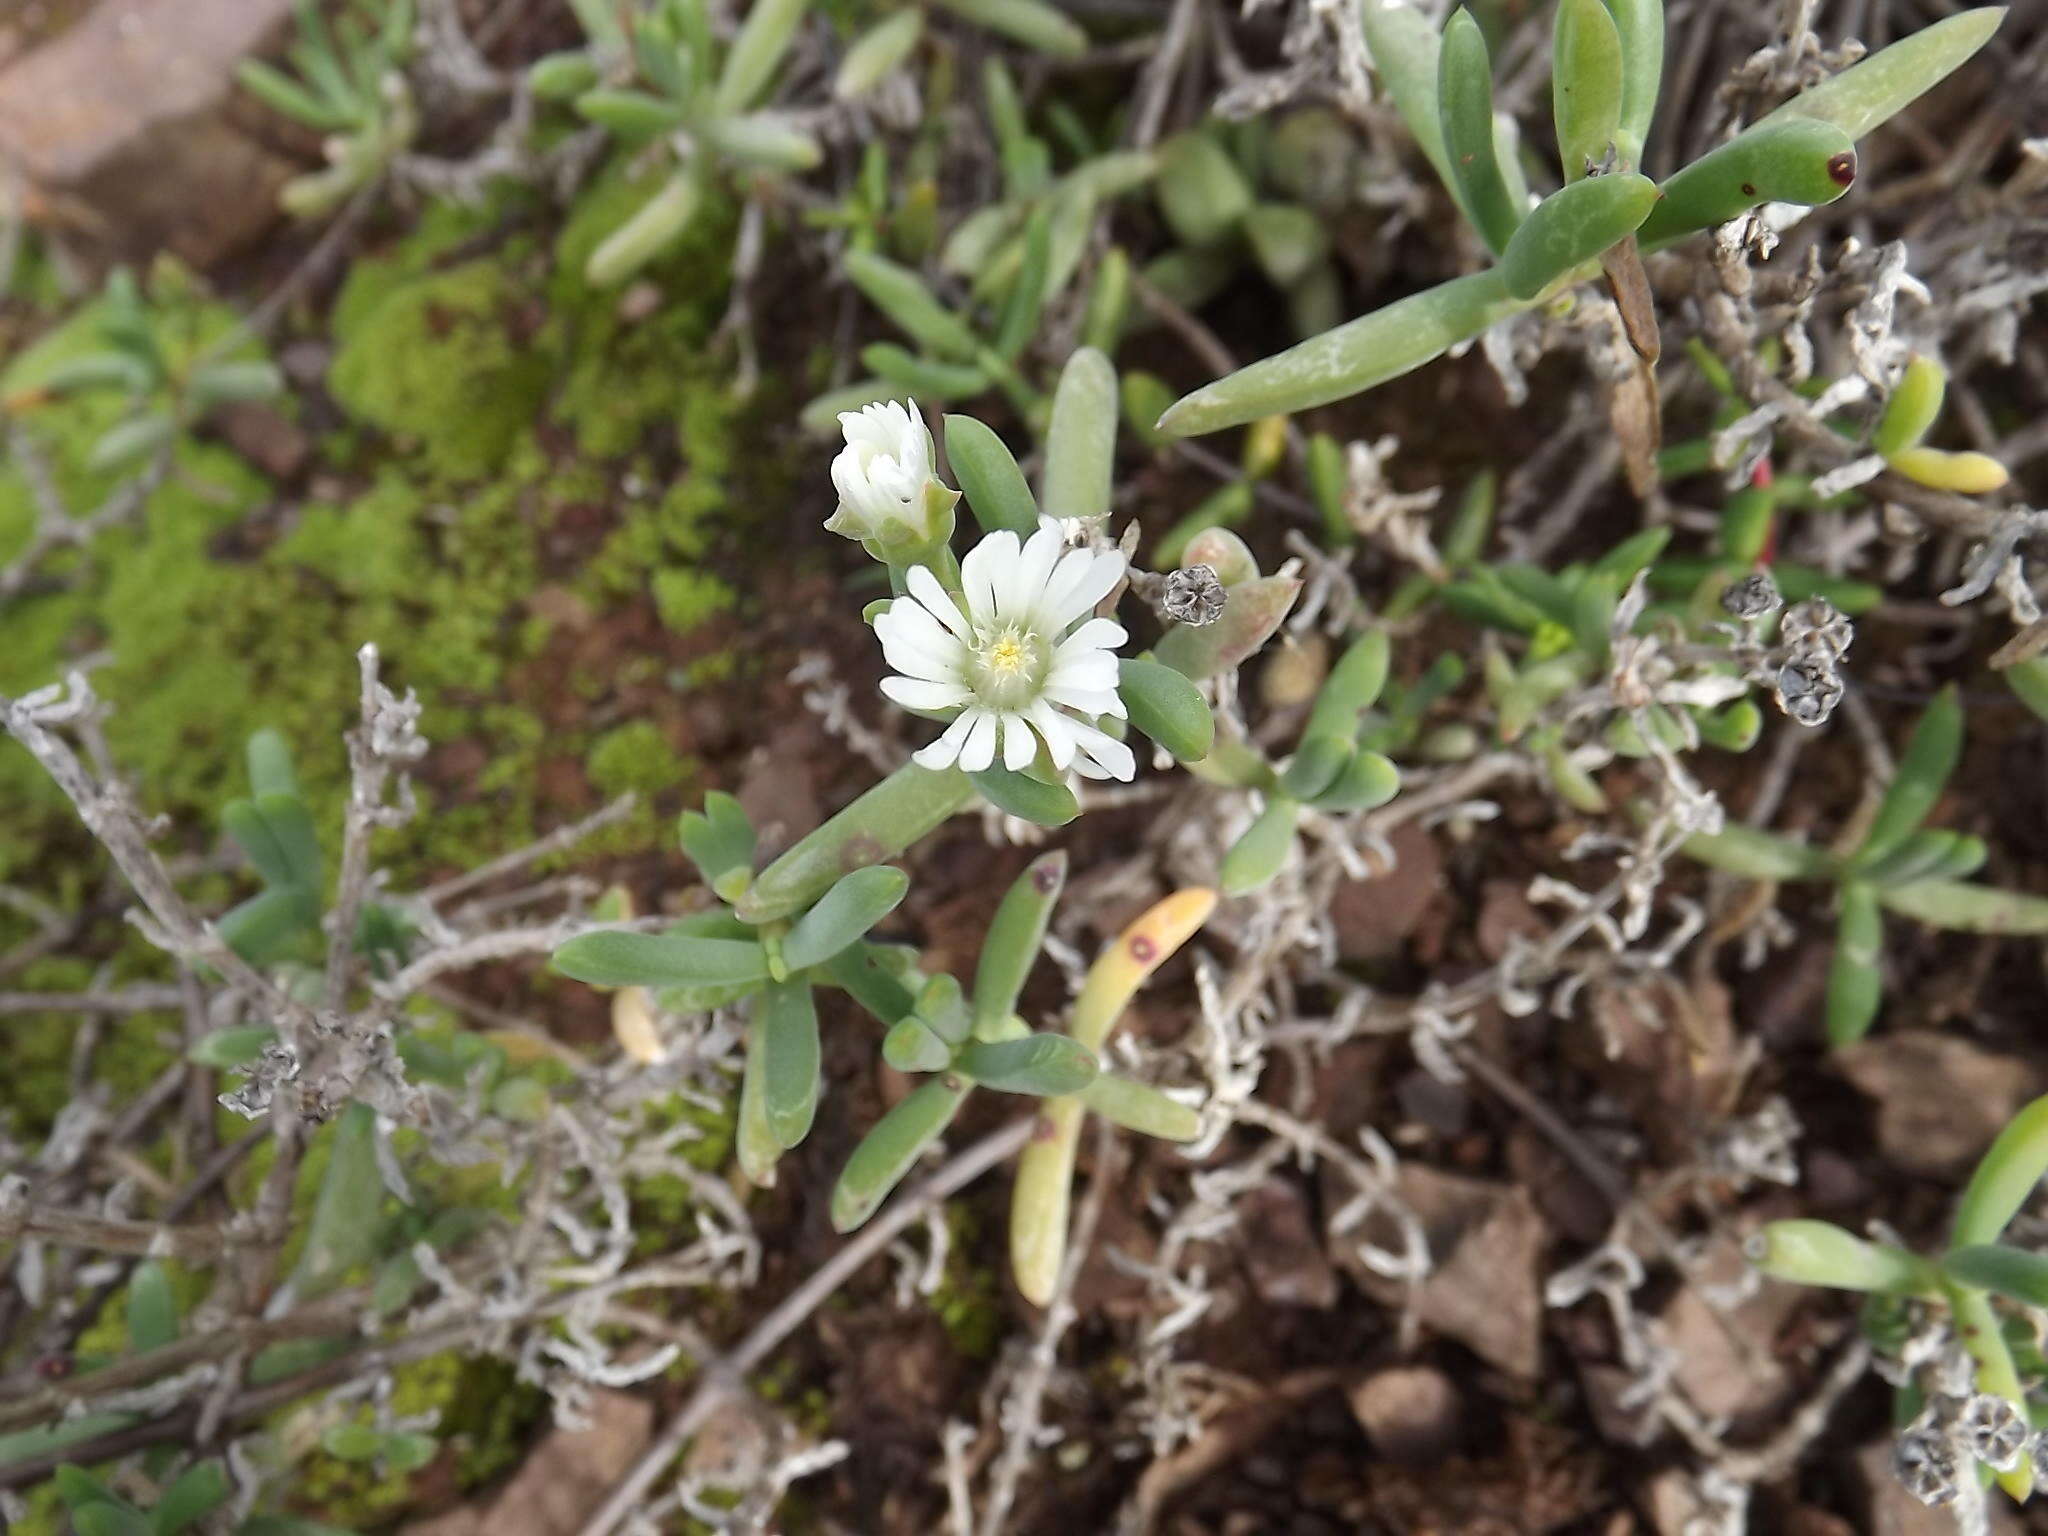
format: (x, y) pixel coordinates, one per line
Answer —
(888, 496)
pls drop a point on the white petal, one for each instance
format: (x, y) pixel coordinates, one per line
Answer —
(979, 750)
(1096, 634)
(920, 693)
(1019, 745)
(1091, 670)
(981, 572)
(940, 754)
(1102, 756)
(1086, 701)
(924, 586)
(914, 644)
(1027, 583)
(1081, 581)
(1056, 730)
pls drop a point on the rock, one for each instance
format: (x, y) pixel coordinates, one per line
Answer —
(1373, 918)
(1409, 1412)
(1711, 1366)
(1287, 1264)
(1895, 1512)
(125, 131)
(1940, 1099)
(1486, 1240)
(563, 1479)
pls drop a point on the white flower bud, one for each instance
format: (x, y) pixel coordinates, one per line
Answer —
(887, 495)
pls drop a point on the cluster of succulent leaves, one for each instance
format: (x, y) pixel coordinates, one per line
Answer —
(1607, 62)
(350, 86)
(888, 43)
(1007, 261)
(165, 389)
(1900, 866)
(1967, 1279)
(687, 110)
(1255, 195)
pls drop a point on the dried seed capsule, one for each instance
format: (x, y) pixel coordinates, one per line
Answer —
(1808, 688)
(1995, 1431)
(1926, 1465)
(1193, 595)
(1752, 597)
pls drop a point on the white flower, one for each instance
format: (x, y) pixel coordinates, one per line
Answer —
(1014, 664)
(884, 478)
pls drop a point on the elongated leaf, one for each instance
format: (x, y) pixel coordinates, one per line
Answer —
(1923, 772)
(1356, 356)
(197, 1493)
(1033, 23)
(1404, 49)
(1080, 445)
(1029, 799)
(1757, 855)
(1968, 908)
(2004, 1178)
(1261, 851)
(223, 383)
(2009, 1272)
(843, 915)
(902, 295)
(1780, 160)
(282, 94)
(1464, 90)
(876, 52)
(878, 826)
(921, 376)
(1868, 92)
(886, 1153)
(767, 141)
(1315, 765)
(763, 39)
(265, 928)
(611, 959)
(882, 978)
(1136, 1107)
(129, 443)
(234, 1047)
(654, 227)
(1351, 688)
(1855, 974)
(1026, 301)
(1585, 84)
(633, 114)
(786, 1022)
(1914, 404)
(2029, 680)
(1201, 192)
(277, 834)
(1367, 782)
(1821, 1253)
(996, 490)
(343, 1229)
(1042, 1064)
(914, 1046)
(1166, 707)
(1572, 226)
(152, 1309)
(1640, 26)
(1014, 936)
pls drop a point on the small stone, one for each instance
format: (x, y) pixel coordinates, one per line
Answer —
(1752, 597)
(1940, 1099)
(1194, 596)
(1410, 1412)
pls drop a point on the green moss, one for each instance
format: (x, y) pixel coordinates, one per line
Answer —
(439, 362)
(969, 1299)
(485, 1419)
(664, 1207)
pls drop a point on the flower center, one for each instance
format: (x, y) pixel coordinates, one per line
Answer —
(1008, 666)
